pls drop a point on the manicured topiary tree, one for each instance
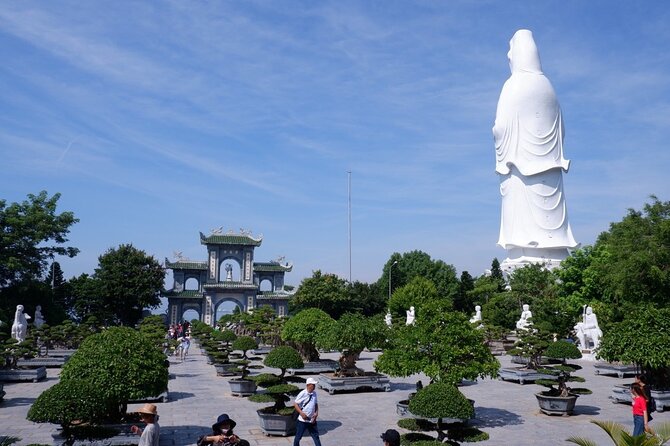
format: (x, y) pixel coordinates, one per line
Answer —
(562, 350)
(350, 335)
(302, 330)
(532, 345)
(442, 400)
(244, 343)
(642, 338)
(226, 336)
(277, 389)
(72, 403)
(121, 361)
(12, 351)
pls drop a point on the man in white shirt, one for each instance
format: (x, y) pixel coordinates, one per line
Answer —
(307, 405)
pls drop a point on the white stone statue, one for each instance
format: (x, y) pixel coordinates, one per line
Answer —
(39, 319)
(523, 323)
(588, 330)
(20, 325)
(528, 134)
(478, 314)
(410, 316)
(388, 319)
(229, 272)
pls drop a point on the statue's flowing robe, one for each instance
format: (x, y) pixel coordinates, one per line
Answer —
(528, 134)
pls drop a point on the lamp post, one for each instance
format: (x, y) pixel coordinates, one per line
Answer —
(391, 270)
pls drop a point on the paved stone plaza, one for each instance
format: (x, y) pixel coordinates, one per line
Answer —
(507, 411)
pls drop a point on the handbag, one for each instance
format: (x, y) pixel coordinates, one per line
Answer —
(295, 413)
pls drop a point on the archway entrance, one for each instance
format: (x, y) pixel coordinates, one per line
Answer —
(190, 314)
(227, 307)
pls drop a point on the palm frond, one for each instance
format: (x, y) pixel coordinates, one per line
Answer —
(581, 441)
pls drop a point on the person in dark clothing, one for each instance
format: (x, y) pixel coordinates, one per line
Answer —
(222, 434)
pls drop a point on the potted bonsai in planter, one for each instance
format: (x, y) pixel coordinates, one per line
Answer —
(243, 386)
(350, 335)
(447, 409)
(531, 346)
(79, 406)
(11, 353)
(641, 338)
(560, 399)
(277, 419)
(301, 332)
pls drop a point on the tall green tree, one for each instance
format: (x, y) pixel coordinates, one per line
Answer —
(462, 302)
(129, 281)
(327, 292)
(497, 274)
(31, 233)
(419, 264)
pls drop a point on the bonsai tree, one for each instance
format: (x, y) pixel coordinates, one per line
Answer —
(532, 344)
(642, 338)
(153, 327)
(442, 400)
(562, 350)
(12, 351)
(621, 437)
(442, 344)
(226, 336)
(72, 403)
(122, 362)
(350, 335)
(276, 386)
(301, 331)
(244, 343)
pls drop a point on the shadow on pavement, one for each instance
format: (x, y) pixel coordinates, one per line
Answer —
(14, 402)
(327, 426)
(586, 410)
(176, 396)
(493, 417)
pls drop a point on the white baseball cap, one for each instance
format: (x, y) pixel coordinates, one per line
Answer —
(311, 381)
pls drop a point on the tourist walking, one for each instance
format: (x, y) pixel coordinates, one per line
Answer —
(391, 438)
(151, 433)
(184, 344)
(307, 406)
(222, 434)
(651, 404)
(640, 415)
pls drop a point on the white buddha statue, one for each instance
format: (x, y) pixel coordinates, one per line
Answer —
(588, 330)
(528, 134)
(478, 314)
(388, 319)
(410, 316)
(523, 323)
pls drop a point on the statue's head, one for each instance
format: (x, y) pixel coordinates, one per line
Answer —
(19, 308)
(589, 310)
(526, 307)
(411, 308)
(523, 54)
(478, 308)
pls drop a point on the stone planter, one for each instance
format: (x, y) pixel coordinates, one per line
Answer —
(369, 381)
(662, 399)
(15, 375)
(261, 351)
(162, 398)
(227, 369)
(522, 375)
(123, 438)
(620, 370)
(275, 424)
(621, 394)
(524, 361)
(61, 352)
(44, 361)
(242, 387)
(314, 367)
(556, 405)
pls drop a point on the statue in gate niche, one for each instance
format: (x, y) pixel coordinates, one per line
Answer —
(528, 134)
(229, 272)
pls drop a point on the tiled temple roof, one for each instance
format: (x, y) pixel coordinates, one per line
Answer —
(186, 264)
(272, 267)
(230, 239)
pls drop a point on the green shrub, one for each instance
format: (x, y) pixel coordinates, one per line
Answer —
(416, 425)
(418, 439)
(284, 357)
(73, 401)
(303, 329)
(441, 400)
(122, 362)
(562, 350)
(244, 343)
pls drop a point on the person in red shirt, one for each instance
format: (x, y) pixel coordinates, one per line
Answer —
(640, 414)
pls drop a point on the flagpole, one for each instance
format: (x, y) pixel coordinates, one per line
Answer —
(349, 174)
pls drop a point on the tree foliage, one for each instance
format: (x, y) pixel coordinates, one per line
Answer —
(303, 329)
(129, 281)
(327, 292)
(122, 362)
(442, 344)
(418, 292)
(31, 232)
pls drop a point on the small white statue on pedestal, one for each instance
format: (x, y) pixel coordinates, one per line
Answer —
(388, 319)
(20, 325)
(39, 319)
(523, 323)
(229, 273)
(478, 315)
(410, 316)
(588, 329)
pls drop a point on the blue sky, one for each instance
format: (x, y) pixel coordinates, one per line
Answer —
(157, 120)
